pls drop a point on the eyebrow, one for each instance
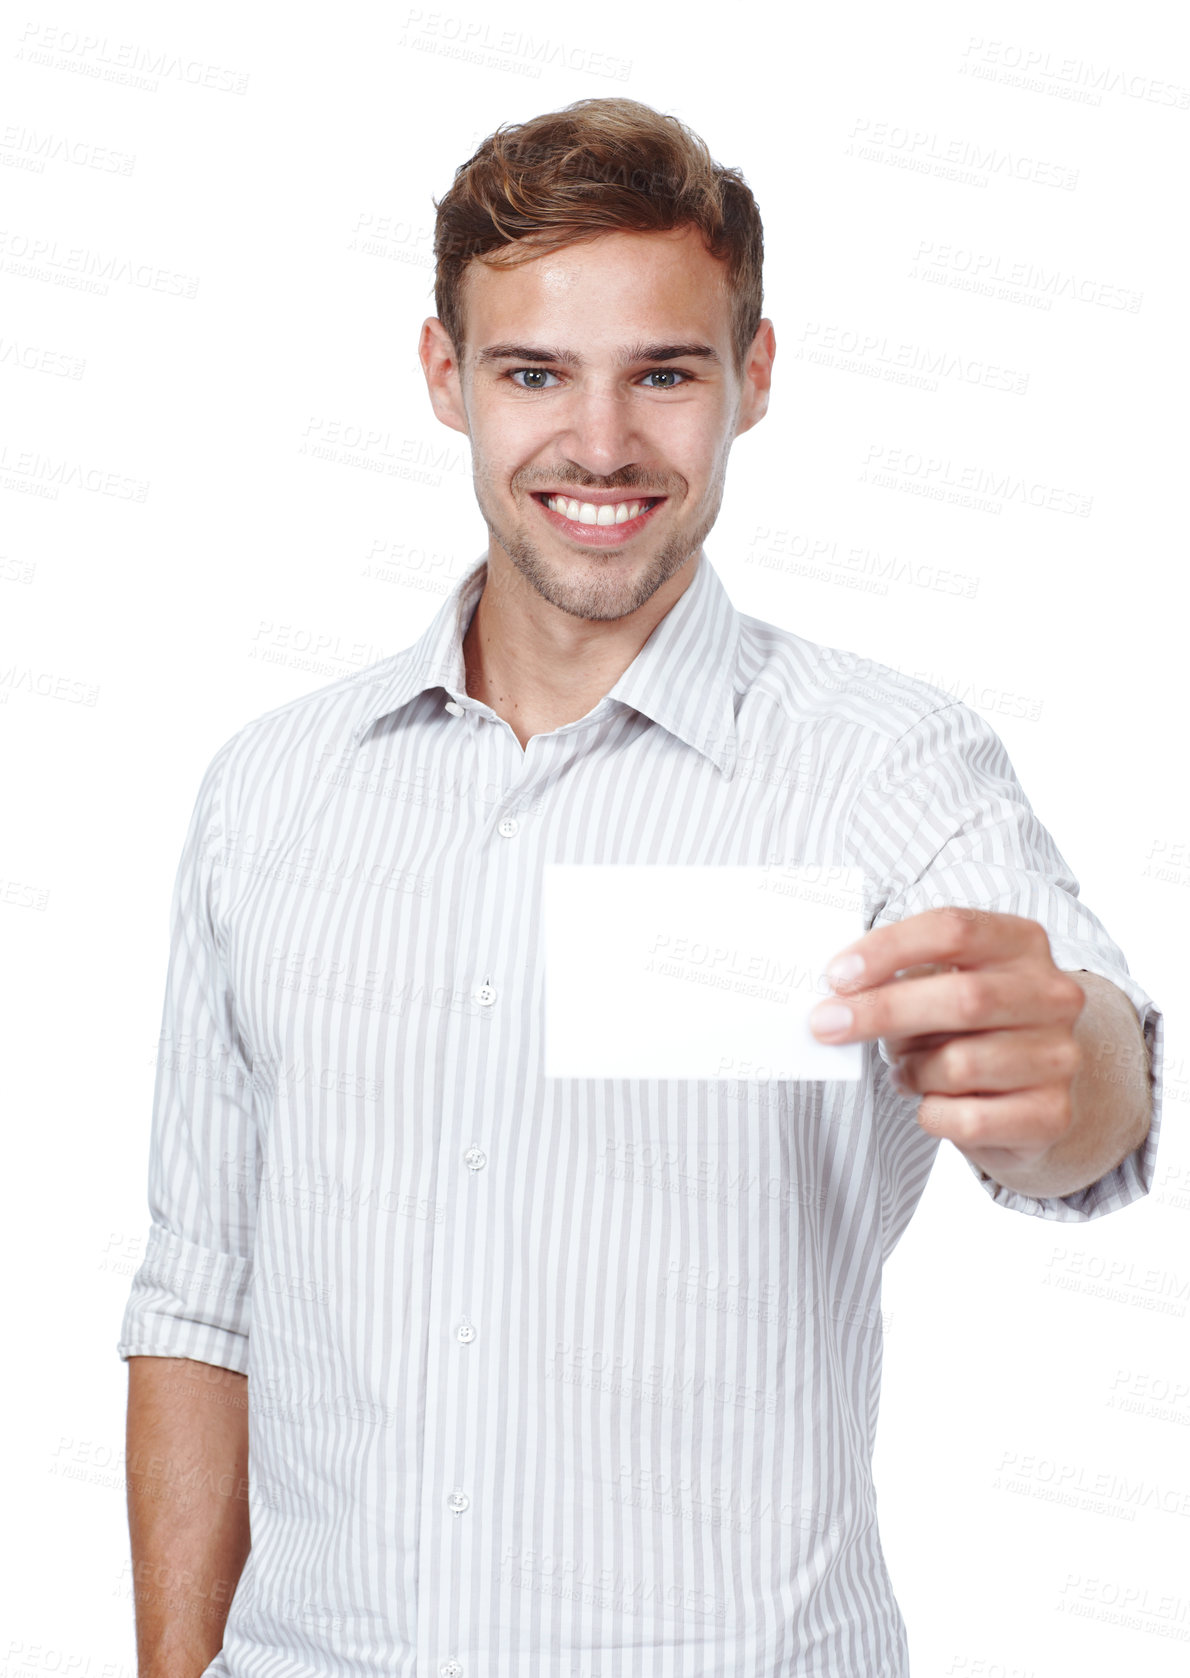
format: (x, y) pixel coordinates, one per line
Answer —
(567, 358)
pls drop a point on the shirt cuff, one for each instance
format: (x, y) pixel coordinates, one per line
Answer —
(188, 1301)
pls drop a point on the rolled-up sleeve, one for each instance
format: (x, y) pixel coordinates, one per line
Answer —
(947, 818)
(191, 1295)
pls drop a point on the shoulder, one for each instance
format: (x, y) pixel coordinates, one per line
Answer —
(813, 681)
(285, 746)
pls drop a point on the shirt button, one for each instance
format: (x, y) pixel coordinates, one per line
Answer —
(454, 709)
(466, 1332)
(508, 827)
(450, 1669)
(457, 1502)
(476, 1158)
(485, 996)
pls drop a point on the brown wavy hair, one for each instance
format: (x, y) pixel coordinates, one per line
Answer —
(598, 166)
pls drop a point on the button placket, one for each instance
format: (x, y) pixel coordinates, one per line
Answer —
(446, 1540)
(490, 873)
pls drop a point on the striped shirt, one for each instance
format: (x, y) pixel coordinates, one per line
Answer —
(569, 1377)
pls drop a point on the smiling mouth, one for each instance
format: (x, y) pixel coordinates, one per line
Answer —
(596, 515)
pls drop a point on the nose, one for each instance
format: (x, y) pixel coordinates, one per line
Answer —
(600, 430)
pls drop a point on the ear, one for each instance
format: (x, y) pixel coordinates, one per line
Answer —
(440, 365)
(758, 377)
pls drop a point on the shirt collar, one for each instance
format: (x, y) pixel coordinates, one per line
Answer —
(683, 677)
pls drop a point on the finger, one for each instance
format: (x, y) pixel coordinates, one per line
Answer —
(964, 937)
(924, 969)
(971, 1000)
(1030, 1119)
(990, 1061)
(897, 1046)
(901, 1046)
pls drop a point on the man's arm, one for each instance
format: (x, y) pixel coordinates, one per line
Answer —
(187, 1466)
(1009, 1051)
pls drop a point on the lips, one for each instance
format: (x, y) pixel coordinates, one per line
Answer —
(589, 502)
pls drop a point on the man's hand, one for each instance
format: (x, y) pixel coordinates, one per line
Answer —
(979, 1021)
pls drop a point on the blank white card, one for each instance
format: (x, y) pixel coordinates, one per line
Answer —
(694, 972)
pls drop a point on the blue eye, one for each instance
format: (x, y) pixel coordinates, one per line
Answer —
(675, 377)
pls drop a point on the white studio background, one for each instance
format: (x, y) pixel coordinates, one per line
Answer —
(222, 486)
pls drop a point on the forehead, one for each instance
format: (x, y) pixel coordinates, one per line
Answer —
(617, 286)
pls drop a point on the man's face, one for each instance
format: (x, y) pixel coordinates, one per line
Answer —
(600, 396)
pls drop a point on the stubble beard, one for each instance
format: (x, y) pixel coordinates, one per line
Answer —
(613, 592)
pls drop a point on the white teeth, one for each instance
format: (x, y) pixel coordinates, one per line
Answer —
(586, 512)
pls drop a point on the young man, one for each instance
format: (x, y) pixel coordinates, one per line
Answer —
(576, 1376)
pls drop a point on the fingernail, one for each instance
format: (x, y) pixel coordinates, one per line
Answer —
(831, 1019)
(845, 967)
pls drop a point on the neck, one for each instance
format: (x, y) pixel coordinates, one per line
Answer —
(539, 666)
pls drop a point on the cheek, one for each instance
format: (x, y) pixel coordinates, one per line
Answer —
(702, 438)
(711, 460)
(507, 441)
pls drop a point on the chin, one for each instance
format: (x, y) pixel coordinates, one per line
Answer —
(596, 586)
